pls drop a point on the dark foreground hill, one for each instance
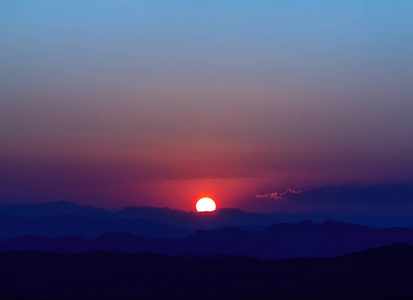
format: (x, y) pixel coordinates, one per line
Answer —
(380, 273)
(305, 239)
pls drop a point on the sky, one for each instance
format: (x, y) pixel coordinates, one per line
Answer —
(160, 103)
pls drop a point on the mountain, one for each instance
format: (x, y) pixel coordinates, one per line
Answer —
(305, 239)
(380, 273)
(57, 226)
(223, 217)
(230, 217)
(58, 208)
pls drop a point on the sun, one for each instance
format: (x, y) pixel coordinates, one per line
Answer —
(205, 205)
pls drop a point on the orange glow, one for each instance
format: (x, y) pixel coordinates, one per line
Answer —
(205, 205)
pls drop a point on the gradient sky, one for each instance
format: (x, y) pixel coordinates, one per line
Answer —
(159, 103)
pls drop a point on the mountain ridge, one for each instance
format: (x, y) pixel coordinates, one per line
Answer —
(223, 217)
(385, 274)
(300, 240)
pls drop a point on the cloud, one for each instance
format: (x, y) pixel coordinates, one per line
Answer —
(391, 193)
(279, 196)
(369, 200)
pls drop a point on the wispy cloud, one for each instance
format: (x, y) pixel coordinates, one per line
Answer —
(279, 196)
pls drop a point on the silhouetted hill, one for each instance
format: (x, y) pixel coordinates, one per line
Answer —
(223, 217)
(56, 226)
(305, 239)
(229, 217)
(58, 208)
(381, 273)
(307, 229)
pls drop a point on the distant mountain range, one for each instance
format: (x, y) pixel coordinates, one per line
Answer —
(58, 208)
(93, 253)
(224, 217)
(380, 273)
(58, 226)
(305, 239)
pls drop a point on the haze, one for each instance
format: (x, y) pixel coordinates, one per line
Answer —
(160, 103)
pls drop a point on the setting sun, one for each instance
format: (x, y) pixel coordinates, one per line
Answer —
(205, 205)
